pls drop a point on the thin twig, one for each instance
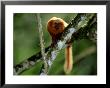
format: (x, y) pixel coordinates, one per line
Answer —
(38, 19)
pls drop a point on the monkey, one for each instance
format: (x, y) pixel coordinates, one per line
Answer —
(56, 27)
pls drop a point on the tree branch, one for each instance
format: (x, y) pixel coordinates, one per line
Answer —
(83, 26)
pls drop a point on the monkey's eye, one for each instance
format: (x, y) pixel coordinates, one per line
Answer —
(56, 23)
(61, 24)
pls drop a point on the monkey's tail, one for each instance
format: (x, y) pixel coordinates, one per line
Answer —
(68, 59)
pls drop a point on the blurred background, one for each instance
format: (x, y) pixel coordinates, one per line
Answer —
(26, 43)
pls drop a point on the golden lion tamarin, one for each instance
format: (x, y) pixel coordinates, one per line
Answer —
(55, 27)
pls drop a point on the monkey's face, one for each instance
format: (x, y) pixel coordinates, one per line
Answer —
(58, 25)
(55, 26)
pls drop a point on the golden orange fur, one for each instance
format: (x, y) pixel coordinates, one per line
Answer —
(55, 27)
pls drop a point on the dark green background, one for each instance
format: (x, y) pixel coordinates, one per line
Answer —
(26, 43)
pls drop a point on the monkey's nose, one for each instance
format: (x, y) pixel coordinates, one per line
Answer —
(57, 27)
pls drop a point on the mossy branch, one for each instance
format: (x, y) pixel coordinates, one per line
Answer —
(83, 26)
